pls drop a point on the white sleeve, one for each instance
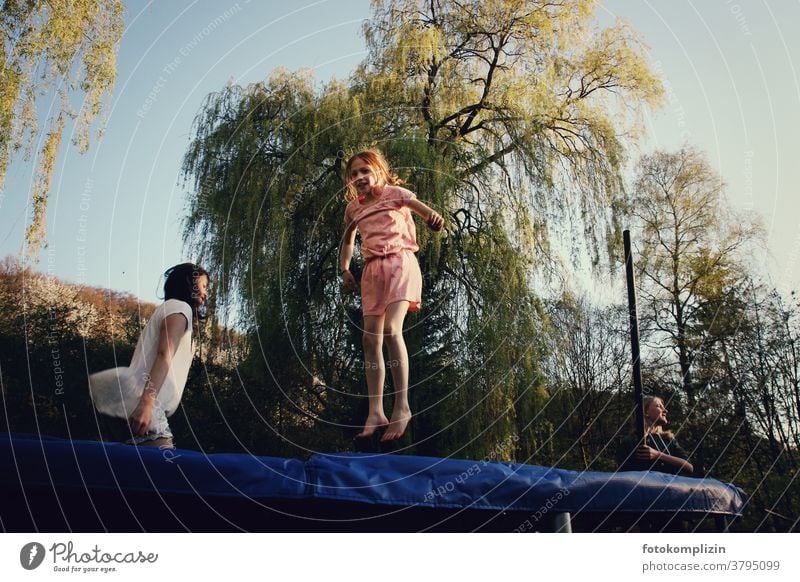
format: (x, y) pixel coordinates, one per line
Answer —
(177, 306)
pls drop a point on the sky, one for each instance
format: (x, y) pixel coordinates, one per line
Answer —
(115, 213)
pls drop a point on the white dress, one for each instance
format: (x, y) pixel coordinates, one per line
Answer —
(116, 392)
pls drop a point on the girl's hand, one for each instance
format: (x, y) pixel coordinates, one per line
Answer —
(142, 417)
(435, 221)
(645, 453)
(349, 282)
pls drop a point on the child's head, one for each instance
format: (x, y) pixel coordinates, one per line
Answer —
(655, 415)
(654, 410)
(187, 282)
(377, 163)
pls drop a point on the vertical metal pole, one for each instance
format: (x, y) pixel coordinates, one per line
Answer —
(563, 522)
(634, 322)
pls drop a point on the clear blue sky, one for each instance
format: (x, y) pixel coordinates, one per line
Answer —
(115, 213)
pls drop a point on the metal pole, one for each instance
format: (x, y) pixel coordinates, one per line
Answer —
(563, 522)
(634, 322)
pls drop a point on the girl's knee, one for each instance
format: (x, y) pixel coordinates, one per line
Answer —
(393, 334)
(371, 340)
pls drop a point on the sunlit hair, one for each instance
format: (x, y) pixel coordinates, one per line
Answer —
(375, 160)
(647, 401)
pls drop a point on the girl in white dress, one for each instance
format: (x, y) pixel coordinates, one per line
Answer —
(134, 402)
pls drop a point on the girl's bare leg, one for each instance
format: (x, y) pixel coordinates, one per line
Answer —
(376, 373)
(398, 363)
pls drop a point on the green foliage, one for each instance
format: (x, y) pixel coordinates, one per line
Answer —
(490, 112)
(692, 258)
(64, 46)
(521, 95)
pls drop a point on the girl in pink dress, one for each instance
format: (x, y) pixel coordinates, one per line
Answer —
(391, 282)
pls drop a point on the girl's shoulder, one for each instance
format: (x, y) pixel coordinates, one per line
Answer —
(390, 195)
(399, 194)
(350, 210)
(171, 306)
(352, 205)
(400, 191)
(667, 435)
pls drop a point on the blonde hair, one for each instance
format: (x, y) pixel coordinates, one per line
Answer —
(375, 160)
(647, 401)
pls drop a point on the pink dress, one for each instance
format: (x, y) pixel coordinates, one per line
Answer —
(388, 243)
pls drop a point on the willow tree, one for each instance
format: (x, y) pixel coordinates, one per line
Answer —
(507, 116)
(526, 100)
(63, 46)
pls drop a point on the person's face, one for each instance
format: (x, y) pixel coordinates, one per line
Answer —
(656, 413)
(200, 291)
(362, 176)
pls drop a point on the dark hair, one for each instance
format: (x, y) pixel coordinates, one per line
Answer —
(181, 284)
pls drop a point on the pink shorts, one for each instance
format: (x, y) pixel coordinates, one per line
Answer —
(389, 279)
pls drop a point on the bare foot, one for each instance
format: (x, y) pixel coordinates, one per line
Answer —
(398, 424)
(374, 422)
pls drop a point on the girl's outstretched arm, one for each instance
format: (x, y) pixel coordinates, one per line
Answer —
(348, 280)
(432, 218)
